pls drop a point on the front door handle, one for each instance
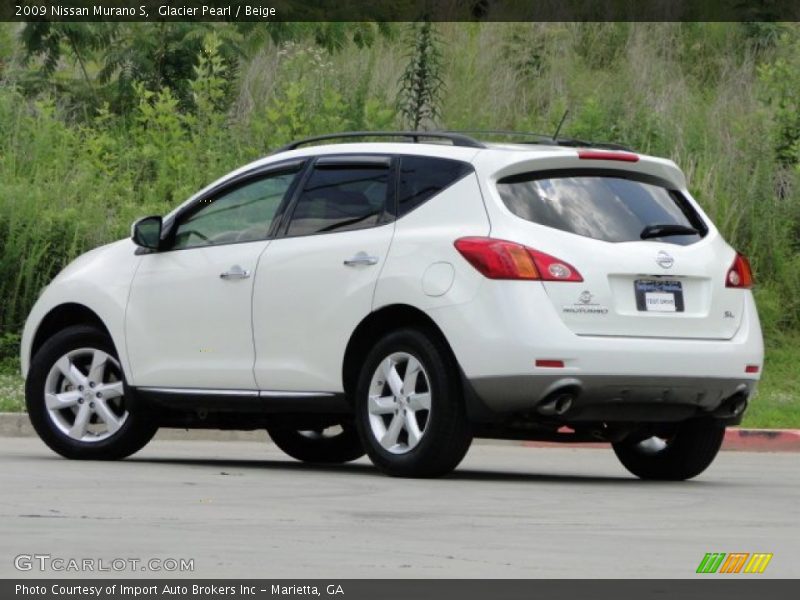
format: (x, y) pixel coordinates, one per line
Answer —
(235, 272)
(362, 259)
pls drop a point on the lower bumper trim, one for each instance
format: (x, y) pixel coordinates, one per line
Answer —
(616, 397)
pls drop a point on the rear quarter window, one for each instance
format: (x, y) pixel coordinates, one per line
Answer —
(422, 177)
(603, 205)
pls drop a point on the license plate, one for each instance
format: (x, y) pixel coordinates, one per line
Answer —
(658, 295)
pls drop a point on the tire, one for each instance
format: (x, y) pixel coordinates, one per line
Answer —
(318, 447)
(416, 442)
(686, 454)
(85, 414)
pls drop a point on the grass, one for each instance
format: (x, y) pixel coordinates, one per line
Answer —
(777, 401)
(775, 406)
(12, 398)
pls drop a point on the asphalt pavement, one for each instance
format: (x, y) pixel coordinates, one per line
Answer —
(243, 509)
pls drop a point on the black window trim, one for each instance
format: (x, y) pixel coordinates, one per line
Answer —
(336, 161)
(342, 161)
(470, 171)
(683, 203)
(230, 185)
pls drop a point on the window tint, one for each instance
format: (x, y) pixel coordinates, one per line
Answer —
(242, 215)
(613, 209)
(340, 199)
(422, 177)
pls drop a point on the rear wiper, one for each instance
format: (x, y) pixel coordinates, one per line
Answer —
(656, 231)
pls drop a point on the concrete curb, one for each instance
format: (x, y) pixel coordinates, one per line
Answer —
(749, 440)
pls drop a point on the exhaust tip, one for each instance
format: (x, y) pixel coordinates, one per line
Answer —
(734, 406)
(738, 406)
(555, 405)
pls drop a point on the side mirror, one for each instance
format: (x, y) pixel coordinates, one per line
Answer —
(146, 232)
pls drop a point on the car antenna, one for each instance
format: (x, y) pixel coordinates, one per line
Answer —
(560, 124)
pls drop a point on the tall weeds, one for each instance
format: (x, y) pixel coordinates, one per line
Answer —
(717, 98)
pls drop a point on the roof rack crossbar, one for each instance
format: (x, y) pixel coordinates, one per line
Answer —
(457, 139)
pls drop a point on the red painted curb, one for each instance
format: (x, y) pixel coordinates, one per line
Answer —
(748, 440)
(762, 440)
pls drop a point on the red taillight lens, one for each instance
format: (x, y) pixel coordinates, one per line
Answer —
(501, 259)
(740, 275)
(607, 155)
(552, 268)
(497, 259)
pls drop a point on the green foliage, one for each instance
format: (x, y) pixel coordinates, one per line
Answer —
(113, 59)
(9, 350)
(109, 122)
(163, 55)
(305, 100)
(775, 404)
(169, 108)
(761, 35)
(781, 90)
(601, 44)
(331, 36)
(6, 46)
(421, 84)
(525, 50)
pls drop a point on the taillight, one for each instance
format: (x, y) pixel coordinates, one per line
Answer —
(501, 259)
(740, 275)
(607, 155)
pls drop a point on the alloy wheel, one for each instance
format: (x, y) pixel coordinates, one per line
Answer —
(84, 395)
(399, 402)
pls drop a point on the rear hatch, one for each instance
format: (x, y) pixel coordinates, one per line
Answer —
(651, 266)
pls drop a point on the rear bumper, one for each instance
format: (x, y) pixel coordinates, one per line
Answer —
(594, 398)
(509, 325)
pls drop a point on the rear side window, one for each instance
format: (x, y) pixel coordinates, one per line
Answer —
(423, 177)
(619, 208)
(340, 199)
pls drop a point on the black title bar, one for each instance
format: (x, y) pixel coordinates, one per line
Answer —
(399, 10)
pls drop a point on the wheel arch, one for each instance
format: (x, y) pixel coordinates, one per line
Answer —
(61, 317)
(377, 324)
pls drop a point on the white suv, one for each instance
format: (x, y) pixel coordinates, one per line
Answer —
(400, 299)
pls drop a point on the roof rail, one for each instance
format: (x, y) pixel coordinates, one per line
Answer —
(457, 139)
(548, 140)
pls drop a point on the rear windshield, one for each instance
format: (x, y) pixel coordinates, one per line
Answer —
(604, 206)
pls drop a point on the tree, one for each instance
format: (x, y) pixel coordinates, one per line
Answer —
(421, 84)
(48, 40)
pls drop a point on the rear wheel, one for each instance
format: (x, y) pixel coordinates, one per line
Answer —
(337, 444)
(409, 407)
(684, 454)
(75, 396)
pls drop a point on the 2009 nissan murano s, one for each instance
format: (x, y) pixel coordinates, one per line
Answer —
(401, 298)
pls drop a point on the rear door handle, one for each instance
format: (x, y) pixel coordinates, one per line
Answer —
(235, 272)
(362, 259)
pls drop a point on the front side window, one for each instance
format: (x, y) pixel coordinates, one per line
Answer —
(603, 207)
(243, 214)
(340, 198)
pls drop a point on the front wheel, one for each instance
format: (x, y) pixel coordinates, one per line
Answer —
(684, 454)
(409, 407)
(76, 400)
